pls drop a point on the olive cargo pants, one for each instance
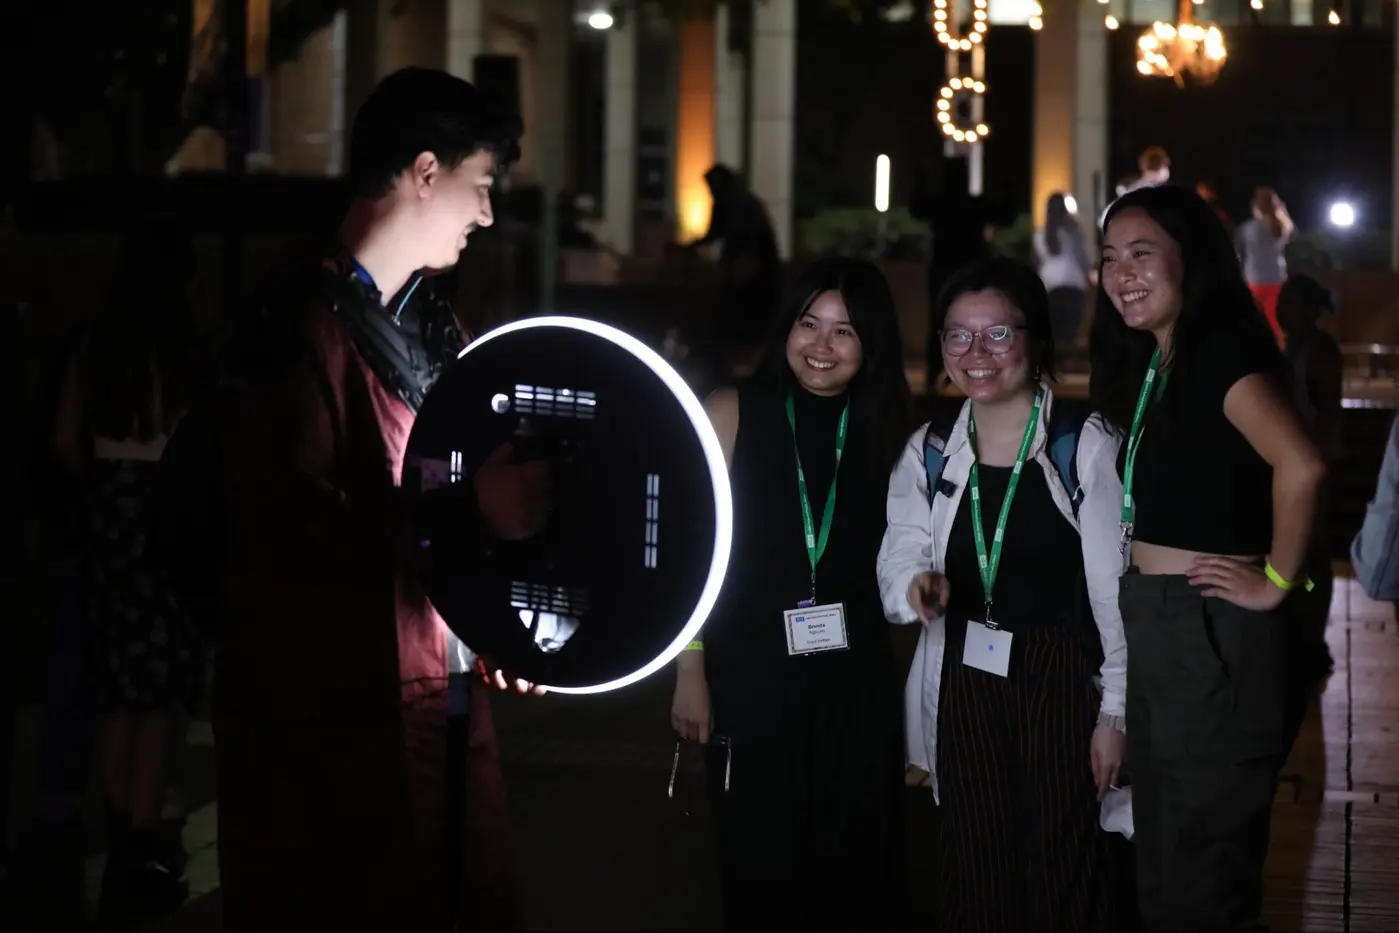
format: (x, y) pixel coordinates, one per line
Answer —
(1205, 739)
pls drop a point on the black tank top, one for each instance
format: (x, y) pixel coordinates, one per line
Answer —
(1039, 582)
(769, 571)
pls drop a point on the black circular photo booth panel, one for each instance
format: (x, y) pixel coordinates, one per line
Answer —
(633, 556)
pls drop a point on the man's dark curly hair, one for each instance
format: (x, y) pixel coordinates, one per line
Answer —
(419, 110)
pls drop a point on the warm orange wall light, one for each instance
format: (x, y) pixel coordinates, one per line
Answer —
(694, 136)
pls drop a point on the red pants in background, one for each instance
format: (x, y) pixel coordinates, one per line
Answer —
(1266, 294)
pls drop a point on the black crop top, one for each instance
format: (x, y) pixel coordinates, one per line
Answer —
(1199, 484)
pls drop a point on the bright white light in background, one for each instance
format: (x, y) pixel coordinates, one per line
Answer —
(1256, 4)
(1011, 12)
(1110, 21)
(600, 19)
(900, 12)
(1333, 18)
(718, 478)
(881, 183)
(1342, 214)
(1071, 204)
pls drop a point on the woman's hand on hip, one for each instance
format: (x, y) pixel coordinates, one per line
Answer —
(1237, 580)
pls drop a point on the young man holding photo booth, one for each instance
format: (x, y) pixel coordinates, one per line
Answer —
(332, 690)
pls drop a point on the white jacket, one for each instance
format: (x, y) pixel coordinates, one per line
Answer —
(916, 540)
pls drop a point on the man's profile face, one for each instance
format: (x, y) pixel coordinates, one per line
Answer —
(453, 203)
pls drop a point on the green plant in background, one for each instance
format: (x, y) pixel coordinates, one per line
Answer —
(1016, 240)
(858, 231)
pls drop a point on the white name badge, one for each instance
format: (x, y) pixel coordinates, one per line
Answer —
(816, 628)
(987, 649)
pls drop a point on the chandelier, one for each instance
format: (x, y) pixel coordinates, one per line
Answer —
(1167, 51)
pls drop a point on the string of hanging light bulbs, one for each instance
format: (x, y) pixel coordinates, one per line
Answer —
(959, 88)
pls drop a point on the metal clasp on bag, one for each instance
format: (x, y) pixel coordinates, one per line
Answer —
(714, 741)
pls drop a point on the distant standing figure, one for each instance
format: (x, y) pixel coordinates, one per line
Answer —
(1063, 265)
(1153, 170)
(1262, 244)
(752, 267)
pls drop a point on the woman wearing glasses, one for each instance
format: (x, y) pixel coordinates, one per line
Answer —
(1013, 572)
(1222, 484)
(794, 687)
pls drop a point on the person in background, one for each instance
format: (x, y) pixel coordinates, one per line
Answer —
(1221, 484)
(1261, 242)
(749, 263)
(805, 764)
(1064, 268)
(1154, 167)
(1020, 754)
(1374, 552)
(1314, 363)
(1211, 197)
(122, 397)
(1153, 171)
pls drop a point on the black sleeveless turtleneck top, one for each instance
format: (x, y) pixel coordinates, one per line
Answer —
(769, 571)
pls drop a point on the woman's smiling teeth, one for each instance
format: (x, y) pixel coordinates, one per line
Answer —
(981, 373)
(1134, 296)
(820, 364)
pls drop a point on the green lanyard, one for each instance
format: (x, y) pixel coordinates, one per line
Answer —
(1134, 441)
(989, 566)
(816, 543)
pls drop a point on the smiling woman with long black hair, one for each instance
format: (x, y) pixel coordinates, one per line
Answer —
(1221, 484)
(796, 675)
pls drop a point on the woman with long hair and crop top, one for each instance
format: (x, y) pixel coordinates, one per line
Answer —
(794, 689)
(1221, 483)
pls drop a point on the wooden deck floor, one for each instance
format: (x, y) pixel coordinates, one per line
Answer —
(1334, 862)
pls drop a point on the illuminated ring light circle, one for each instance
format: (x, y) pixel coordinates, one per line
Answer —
(947, 97)
(960, 43)
(633, 556)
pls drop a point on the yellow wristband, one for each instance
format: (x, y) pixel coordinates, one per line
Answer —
(1286, 585)
(695, 645)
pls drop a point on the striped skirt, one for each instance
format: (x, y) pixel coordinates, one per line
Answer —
(1021, 846)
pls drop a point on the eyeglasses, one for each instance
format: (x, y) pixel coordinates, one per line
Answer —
(718, 744)
(997, 339)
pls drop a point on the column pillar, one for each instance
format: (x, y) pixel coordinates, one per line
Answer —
(729, 75)
(619, 164)
(773, 115)
(466, 35)
(1071, 111)
(1394, 171)
(361, 72)
(1091, 186)
(694, 127)
(551, 135)
(552, 100)
(1056, 73)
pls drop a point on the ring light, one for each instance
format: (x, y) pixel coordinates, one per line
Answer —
(633, 556)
